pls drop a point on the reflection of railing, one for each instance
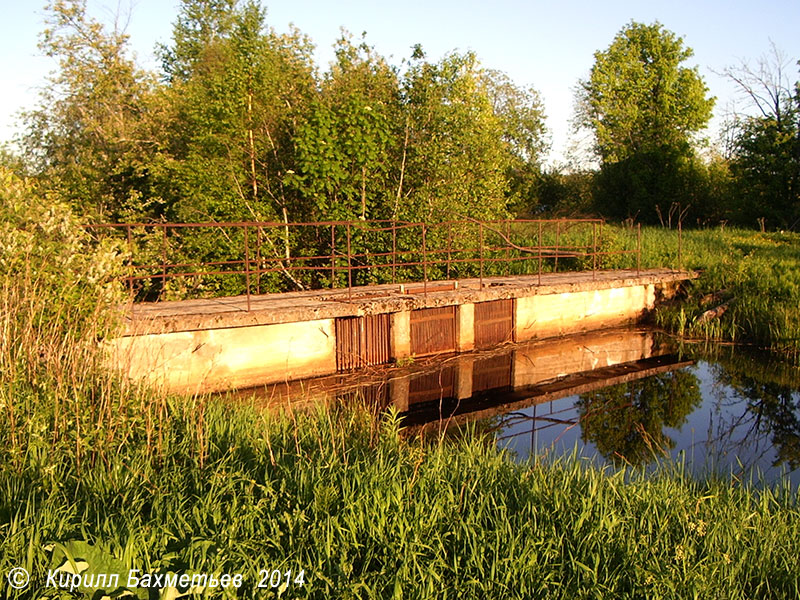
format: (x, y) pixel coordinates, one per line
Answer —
(272, 256)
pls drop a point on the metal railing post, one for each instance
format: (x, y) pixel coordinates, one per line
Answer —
(594, 250)
(508, 247)
(333, 256)
(247, 264)
(638, 248)
(424, 261)
(680, 245)
(481, 254)
(130, 267)
(558, 235)
(449, 246)
(539, 243)
(163, 259)
(349, 268)
(394, 251)
(258, 259)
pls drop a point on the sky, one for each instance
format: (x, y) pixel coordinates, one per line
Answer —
(548, 45)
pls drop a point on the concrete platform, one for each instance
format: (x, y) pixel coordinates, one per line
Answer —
(291, 307)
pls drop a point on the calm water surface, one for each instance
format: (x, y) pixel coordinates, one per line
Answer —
(708, 415)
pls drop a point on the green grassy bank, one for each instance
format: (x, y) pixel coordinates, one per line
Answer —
(367, 514)
(755, 276)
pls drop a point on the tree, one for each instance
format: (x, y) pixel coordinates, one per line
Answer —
(85, 138)
(236, 91)
(521, 115)
(644, 108)
(455, 158)
(349, 141)
(199, 24)
(765, 148)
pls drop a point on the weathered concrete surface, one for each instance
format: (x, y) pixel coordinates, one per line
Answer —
(563, 313)
(465, 327)
(218, 313)
(222, 359)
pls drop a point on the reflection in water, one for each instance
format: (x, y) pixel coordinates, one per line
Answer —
(626, 422)
(624, 396)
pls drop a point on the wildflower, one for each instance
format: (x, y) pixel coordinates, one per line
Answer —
(680, 553)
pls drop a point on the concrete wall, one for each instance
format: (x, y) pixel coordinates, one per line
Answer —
(573, 312)
(222, 359)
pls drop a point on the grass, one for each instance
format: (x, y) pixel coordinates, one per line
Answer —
(757, 274)
(367, 514)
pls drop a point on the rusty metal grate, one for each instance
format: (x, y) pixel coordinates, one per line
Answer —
(433, 330)
(362, 341)
(492, 373)
(494, 323)
(432, 386)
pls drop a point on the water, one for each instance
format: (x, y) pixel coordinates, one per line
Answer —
(627, 396)
(703, 415)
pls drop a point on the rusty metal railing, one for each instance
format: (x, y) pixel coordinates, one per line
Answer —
(185, 260)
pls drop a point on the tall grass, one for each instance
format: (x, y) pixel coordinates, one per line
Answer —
(367, 514)
(756, 274)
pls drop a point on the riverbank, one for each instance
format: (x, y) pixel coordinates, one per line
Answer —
(748, 291)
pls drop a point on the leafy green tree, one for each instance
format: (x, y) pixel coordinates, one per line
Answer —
(200, 23)
(644, 107)
(85, 138)
(349, 141)
(455, 158)
(235, 91)
(233, 104)
(564, 192)
(521, 114)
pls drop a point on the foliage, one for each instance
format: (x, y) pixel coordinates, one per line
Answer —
(349, 141)
(455, 158)
(48, 262)
(639, 97)
(236, 91)
(57, 299)
(765, 148)
(521, 113)
(644, 108)
(84, 138)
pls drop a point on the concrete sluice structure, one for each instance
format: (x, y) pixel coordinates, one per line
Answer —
(198, 346)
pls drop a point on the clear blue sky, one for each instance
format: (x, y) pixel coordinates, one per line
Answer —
(549, 45)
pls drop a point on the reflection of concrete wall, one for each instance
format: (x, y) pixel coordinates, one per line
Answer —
(572, 312)
(219, 359)
(534, 363)
(555, 358)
